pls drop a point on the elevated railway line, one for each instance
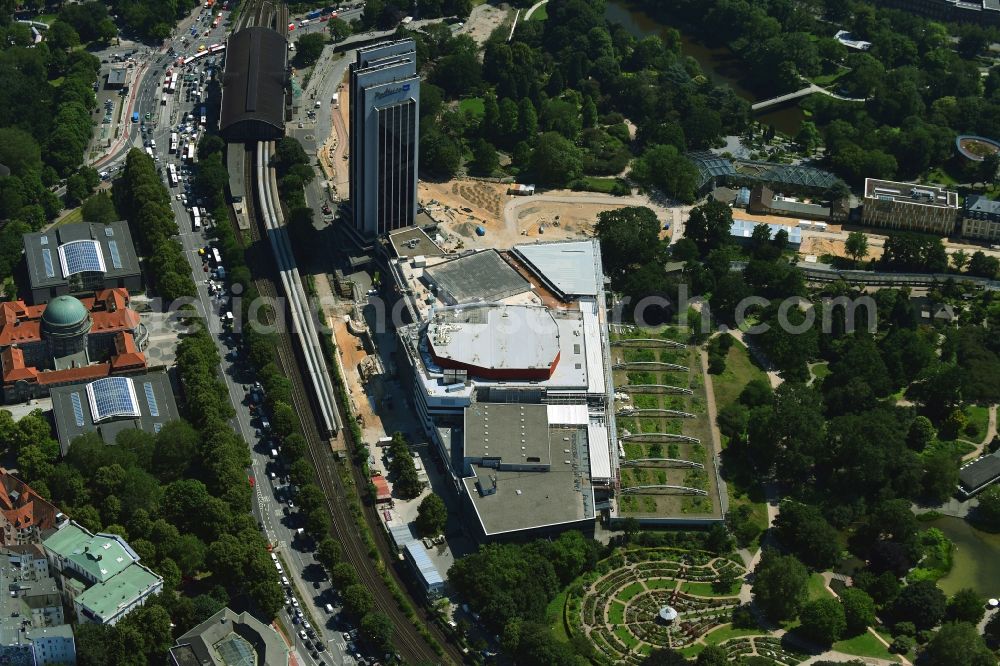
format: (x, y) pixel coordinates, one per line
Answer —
(410, 645)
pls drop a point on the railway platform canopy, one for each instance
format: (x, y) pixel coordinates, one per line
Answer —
(253, 86)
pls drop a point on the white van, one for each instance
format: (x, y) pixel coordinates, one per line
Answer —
(329, 609)
(274, 453)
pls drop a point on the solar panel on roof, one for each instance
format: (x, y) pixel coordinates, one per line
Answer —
(112, 397)
(109, 232)
(77, 408)
(50, 270)
(154, 409)
(81, 256)
(116, 257)
(44, 240)
(157, 427)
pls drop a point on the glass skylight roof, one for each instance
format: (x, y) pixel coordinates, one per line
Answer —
(112, 397)
(81, 256)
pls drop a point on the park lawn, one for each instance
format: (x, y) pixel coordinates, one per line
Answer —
(554, 616)
(630, 591)
(820, 370)
(539, 14)
(595, 184)
(75, 215)
(616, 614)
(740, 370)
(472, 106)
(45, 18)
(661, 583)
(626, 637)
(865, 645)
(727, 631)
(817, 588)
(706, 589)
(981, 417)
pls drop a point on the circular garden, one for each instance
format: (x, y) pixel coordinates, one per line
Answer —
(617, 606)
(618, 609)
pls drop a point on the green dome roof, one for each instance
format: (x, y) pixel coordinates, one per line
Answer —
(64, 312)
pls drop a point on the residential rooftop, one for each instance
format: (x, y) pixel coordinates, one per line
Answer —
(911, 193)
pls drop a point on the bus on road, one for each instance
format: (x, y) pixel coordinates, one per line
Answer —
(173, 175)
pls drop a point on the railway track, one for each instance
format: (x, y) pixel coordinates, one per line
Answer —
(408, 642)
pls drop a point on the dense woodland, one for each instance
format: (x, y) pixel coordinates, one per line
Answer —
(848, 457)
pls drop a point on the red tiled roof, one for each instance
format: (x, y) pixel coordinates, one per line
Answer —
(28, 509)
(71, 375)
(109, 313)
(127, 355)
(12, 362)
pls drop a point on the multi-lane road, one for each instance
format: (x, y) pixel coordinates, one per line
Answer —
(279, 520)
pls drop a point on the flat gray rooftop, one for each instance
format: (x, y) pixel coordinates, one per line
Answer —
(924, 195)
(533, 500)
(569, 267)
(71, 410)
(414, 242)
(514, 433)
(479, 277)
(980, 472)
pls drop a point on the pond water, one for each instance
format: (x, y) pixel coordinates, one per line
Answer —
(976, 559)
(719, 65)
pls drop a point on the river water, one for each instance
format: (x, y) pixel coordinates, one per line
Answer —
(719, 65)
(976, 562)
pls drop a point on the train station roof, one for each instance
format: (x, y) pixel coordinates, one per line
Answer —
(253, 86)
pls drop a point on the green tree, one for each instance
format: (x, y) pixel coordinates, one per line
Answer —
(779, 587)
(823, 621)
(555, 160)
(664, 167)
(440, 155)
(804, 530)
(99, 208)
(712, 655)
(377, 629)
(339, 29)
(343, 575)
(859, 610)
(431, 515)
(329, 553)
(484, 157)
(966, 606)
(358, 601)
(629, 237)
(527, 119)
(959, 259)
(958, 643)
(921, 603)
(940, 474)
(308, 49)
(708, 225)
(856, 245)
(920, 434)
(988, 511)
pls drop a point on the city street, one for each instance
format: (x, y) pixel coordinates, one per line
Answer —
(271, 507)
